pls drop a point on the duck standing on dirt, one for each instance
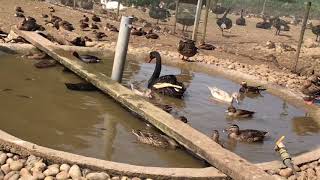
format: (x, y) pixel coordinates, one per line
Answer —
(99, 35)
(280, 25)
(29, 24)
(94, 26)
(95, 18)
(316, 30)
(241, 21)
(66, 25)
(224, 22)
(187, 48)
(110, 27)
(167, 85)
(246, 135)
(239, 113)
(86, 58)
(51, 9)
(83, 25)
(250, 89)
(137, 31)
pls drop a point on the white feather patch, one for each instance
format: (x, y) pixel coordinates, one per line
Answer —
(164, 85)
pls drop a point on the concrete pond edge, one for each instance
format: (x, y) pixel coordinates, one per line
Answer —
(12, 143)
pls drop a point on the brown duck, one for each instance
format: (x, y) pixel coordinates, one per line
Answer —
(207, 46)
(155, 139)
(94, 26)
(152, 35)
(112, 28)
(137, 32)
(246, 135)
(310, 89)
(215, 136)
(239, 113)
(95, 18)
(187, 48)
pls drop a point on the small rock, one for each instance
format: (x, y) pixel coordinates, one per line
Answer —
(135, 178)
(10, 155)
(124, 178)
(115, 178)
(318, 171)
(49, 178)
(286, 172)
(53, 166)
(85, 171)
(75, 172)
(14, 177)
(270, 45)
(5, 168)
(313, 164)
(39, 166)
(38, 175)
(53, 171)
(3, 158)
(24, 172)
(232, 66)
(32, 160)
(97, 176)
(304, 167)
(302, 176)
(311, 172)
(9, 160)
(16, 165)
(63, 175)
(10, 174)
(1, 174)
(16, 157)
(272, 171)
(65, 167)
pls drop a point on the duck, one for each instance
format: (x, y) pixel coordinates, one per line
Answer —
(245, 135)
(110, 27)
(155, 139)
(241, 21)
(44, 15)
(239, 113)
(183, 119)
(218, 9)
(151, 35)
(66, 25)
(206, 46)
(83, 25)
(85, 18)
(187, 48)
(81, 86)
(19, 14)
(99, 35)
(95, 18)
(158, 13)
(264, 24)
(167, 85)
(224, 22)
(19, 9)
(51, 9)
(137, 31)
(45, 64)
(250, 89)
(86, 58)
(316, 30)
(29, 24)
(222, 96)
(310, 89)
(94, 26)
(280, 25)
(79, 41)
(215, 136)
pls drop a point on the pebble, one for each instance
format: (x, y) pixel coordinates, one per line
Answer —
(39, 166)
(9, 160)
(5, 168)
(14, 177)
(10, 155)
(15, 157)
(63, 175)
(311, 172)
(10, 174)
(75, 172)
(24, 172)
(52, 171)
(3, 158)
(15, 165)
(286, 172)
(49, 178)
(65, 167)
(115, 178)
(1, 175)
(124, 178)
(98, 176)
(38, 175)
(135, 178)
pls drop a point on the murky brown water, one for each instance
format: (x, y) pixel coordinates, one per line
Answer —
(39, 108)
(73, 121)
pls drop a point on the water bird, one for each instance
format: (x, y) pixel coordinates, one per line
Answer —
(99, 35)
(83, 25)
(241, 21)
(45, 64)
(215, 136)
(265, 24)
(280, 25)
(66, 25)
(44, 15)
(183, 119)
(19, 9)
(95, 18)
(250, 89)
(19, 14)
(206, 46)
(29, 24)
(151, 35)
(224, 22)
(222, 96)
(86, 58)
(155, 139)
(81, 86)
(316, 30)
(112, 28)
(245, 135)
(94, 26)
(137, 31)
(85, 19)
(51, 9)
(187, 48)
(239, 113)
(166, 85)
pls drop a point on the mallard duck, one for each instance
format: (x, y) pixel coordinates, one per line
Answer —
(215, 137)
(51, 9)
(110, 27)
(280, 25)
(207, 46)
(166, 85)
(187, 48)
(85, 18)
(238, 113)
(137, 31)
(94, 26)
(224, 22)
(250, 89)
(316, 30)
(86, 58)
(83, 25)
(29, 24)
(81, 86)
(246, 135)
(155, 139)
(45, 64)
(241, 21)
(264, 24)
(66, 25)
(95, 18)
(19, 9)
(152, 35)
(99, 35)
(222, 96)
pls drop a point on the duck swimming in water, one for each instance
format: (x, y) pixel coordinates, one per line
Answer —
(166, 85)
(246, 135)
(239, 113)
(86, 58)
(81, 86)
(155, 139)
(250, 89)
(215, 137)
(222, 96)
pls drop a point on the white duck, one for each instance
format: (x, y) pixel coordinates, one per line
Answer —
(222, 96)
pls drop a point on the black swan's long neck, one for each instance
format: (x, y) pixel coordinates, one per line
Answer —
(156, 72)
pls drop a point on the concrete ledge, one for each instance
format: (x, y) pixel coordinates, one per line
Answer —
(24, 148)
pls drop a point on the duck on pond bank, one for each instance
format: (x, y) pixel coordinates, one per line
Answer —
(167, 85)
(187, 48)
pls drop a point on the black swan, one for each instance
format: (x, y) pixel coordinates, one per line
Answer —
(224, 22)
(166, 85)
(81, 86)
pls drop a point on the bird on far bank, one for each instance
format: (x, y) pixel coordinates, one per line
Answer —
(224, 23)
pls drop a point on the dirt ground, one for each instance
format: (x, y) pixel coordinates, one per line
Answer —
(242, 44)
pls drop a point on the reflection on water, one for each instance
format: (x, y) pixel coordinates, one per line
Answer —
(305, 126)
(86, 123)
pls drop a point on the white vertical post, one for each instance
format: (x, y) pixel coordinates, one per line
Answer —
(121, 48)
(196, 21)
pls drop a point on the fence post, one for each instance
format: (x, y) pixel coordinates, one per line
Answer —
(196, 20)
(176, 16)
(303, 29)
(208, 5)
(118, 9)
(121, 48)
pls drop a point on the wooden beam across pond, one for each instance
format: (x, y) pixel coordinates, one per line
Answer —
(226, 161)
